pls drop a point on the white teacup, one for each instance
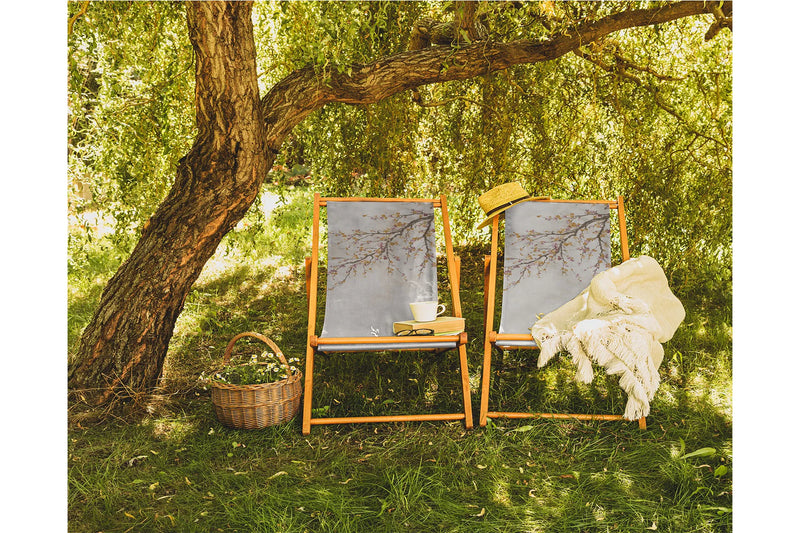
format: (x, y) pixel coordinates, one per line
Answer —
(426, 311)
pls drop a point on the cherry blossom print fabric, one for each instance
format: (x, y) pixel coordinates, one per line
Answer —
(381, 257)
(552, 252)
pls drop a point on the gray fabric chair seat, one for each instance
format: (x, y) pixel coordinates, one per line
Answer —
(515, 344)
(384, 346)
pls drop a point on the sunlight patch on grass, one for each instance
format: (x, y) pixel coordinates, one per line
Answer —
(500, 493)
(283, 273)
(675, 450)
(475, 380)
(223, 263)
(173, 429)
(431, 390)
(666, 397)
(713, 390)
(599, 513)
(624, 480)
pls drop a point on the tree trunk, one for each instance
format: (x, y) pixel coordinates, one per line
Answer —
(216, 182)
(125, 344)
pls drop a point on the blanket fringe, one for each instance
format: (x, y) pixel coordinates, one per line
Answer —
(623, 346)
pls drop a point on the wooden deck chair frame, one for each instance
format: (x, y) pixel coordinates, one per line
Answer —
(491, 336)
(312, 280)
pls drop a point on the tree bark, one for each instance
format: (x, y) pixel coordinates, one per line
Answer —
(125, 344)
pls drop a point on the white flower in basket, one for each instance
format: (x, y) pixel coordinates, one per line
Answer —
(262, 392)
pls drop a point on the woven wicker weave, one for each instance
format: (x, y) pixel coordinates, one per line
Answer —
(261, 405)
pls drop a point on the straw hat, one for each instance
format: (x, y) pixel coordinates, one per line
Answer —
(501, 198)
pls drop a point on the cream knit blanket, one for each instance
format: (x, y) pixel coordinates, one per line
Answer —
(618, 322)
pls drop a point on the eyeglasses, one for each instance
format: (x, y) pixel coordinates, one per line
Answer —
(414, 332)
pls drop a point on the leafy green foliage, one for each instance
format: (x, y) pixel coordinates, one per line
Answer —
(654, 126)
(130, 107)
(644, 113)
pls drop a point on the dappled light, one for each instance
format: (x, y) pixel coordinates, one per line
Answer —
(176, 430)
(190, 221)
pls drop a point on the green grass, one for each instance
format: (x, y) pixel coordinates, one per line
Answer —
(179, 469)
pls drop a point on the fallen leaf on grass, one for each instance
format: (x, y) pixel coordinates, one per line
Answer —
(482, 513)
(702, 452)
(276, 474)
(653, 527)
(348, 480)
(133, 460)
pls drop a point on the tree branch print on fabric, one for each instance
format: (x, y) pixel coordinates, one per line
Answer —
(579, 238)
(391, 239)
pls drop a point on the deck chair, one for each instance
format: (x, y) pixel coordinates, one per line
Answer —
(381, 257)
(553, 249)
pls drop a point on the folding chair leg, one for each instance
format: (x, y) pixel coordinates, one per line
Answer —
(485, 376)
(462, 353)
(307, 390)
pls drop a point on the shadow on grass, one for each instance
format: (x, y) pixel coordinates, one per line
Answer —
(184, 471)
(269, 297)
(266, 297)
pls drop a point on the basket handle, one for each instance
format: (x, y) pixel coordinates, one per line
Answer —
(229, 349)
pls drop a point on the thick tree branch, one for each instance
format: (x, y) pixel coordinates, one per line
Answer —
(303, 91)
(76, 16)
(722, 19)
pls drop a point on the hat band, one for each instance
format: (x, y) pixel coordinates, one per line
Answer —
(505, 205)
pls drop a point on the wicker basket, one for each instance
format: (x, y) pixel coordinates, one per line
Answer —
(260, 405)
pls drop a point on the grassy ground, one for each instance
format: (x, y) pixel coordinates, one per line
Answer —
(178, 469)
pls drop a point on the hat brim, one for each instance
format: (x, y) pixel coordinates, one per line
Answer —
(499, 211)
